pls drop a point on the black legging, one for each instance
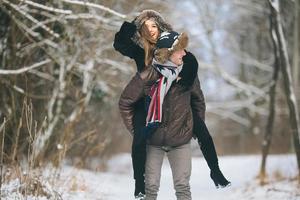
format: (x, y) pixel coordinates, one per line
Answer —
(138, 153)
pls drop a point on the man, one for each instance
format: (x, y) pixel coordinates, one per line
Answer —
(170, 90)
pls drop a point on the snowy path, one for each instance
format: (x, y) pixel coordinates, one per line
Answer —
(117, 183)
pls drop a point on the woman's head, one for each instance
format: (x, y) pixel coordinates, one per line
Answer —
(153, 16)
(150, 31)
(149, 25)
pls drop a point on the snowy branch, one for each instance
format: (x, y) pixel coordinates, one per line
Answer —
(31, 18)
(231, 104)
(56, 103)
(37, 5)
(3, 125)
(42, 75)
(232, 116)
(248, 60)
(95, 6)
(87, 16)
(249, 89)
(25, 28)
(123, 68)
(24, 69)
(30, 33)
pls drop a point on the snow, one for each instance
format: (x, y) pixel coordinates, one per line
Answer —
(116, 183)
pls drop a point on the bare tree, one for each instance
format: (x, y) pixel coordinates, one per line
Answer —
(234, 57)
(279, 41)
(272, 93)
(43, 58)
(296, 51)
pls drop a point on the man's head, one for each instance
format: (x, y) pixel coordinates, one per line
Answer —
(170, 46)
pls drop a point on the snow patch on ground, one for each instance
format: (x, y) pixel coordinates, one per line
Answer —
(116, 183)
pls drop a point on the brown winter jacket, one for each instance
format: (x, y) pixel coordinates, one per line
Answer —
(176, 127)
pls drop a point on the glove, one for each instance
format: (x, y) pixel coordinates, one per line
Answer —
(147, 131)
(219, 179)
(144, 133)
(127, 29)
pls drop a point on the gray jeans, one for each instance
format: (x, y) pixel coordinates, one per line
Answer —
(181, 166)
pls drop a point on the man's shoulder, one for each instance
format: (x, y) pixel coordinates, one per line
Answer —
(148, 74)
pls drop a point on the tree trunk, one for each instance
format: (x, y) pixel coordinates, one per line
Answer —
(269, 128)
(296, 47)
(286, 72)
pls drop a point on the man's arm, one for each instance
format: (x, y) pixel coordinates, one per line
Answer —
(130, 95)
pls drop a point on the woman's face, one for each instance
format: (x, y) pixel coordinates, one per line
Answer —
(152, 28)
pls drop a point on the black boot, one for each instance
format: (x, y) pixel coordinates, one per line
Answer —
(219, 179)
(138, 155)
(139, 188)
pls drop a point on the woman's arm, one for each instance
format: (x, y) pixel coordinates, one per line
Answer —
(124, 44)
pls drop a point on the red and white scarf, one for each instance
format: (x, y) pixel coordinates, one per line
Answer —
(169, 72)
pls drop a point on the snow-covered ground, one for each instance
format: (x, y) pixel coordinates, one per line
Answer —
(117, 183)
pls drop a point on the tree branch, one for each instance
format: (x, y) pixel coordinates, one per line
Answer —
(31, 18)
(37, 5)
(95, 6)
(249, 89)
(24, 69)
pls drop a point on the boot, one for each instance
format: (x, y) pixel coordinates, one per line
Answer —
(139, 188)
(219, 179)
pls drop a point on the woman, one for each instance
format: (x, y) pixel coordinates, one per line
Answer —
(137, 41)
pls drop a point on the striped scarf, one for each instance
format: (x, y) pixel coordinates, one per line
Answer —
(154, 101)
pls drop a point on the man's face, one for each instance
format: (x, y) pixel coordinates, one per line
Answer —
(176, 57)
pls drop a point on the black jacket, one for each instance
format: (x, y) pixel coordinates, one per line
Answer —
(124, 44)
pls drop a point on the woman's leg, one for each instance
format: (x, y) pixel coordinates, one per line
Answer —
(205, 142)
(155, 156)
(138, 155)
(181, 164)
(209, 152)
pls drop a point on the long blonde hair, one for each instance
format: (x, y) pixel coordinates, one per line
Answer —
(148, 44)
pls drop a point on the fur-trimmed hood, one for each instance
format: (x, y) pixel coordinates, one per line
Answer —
(145, 15)
(167, 43)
